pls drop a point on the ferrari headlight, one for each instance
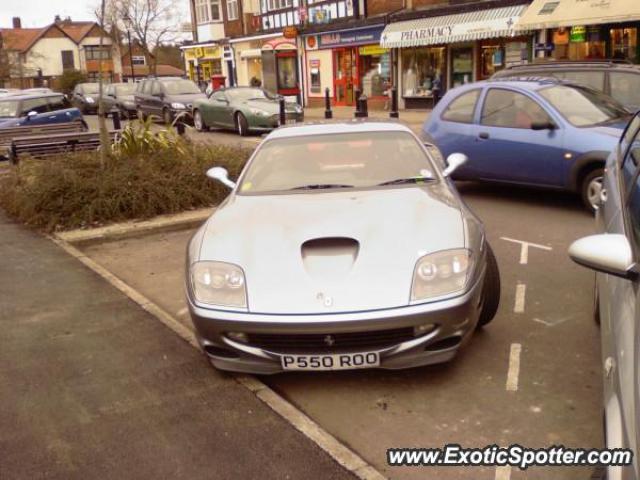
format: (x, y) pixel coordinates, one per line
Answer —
(441, 273)
(178, 106)
(259, 112)
(218, 283)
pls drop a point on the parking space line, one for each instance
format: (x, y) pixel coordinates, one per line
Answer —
(521, 291)
(503, 473)
(514, 368)
(524, 248)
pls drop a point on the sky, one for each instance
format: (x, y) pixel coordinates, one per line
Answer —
(38, 13)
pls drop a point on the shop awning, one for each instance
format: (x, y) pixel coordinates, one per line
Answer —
(568, 13)
(460, 27)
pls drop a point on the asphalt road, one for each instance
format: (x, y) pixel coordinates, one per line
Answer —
(544, 326)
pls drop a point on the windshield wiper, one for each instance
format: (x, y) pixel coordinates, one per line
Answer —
(401, 181)
(321, 186)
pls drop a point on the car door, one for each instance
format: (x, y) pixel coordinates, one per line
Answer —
(619, 299)
(506, 145)
(452, 131)
(156, 98)
(218, 109)
(36, 111)
(61, 110)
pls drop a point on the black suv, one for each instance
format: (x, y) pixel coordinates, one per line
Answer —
(619, 80)
(165, 97)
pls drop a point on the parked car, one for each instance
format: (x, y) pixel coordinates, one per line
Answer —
(8, 91)
(244, 109)
(166, 97)
(618, 80)
(34, 109)
(119, 96)
(37, 90)
(342, 245)
(85, 97)
(543, 132)
(614, 254)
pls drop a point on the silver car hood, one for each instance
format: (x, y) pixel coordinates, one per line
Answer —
(329, 252)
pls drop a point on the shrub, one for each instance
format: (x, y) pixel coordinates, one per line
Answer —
(69, 79)
(74, 191)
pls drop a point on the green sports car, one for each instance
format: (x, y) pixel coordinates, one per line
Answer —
(244, 109)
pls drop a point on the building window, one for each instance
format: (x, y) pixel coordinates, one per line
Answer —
(215, 11)
(423, 71)
(138, 60)
(94, 52)
(202, 11)
(232, 9)
(67, 60)
(374, 70)
(279, 4)
(624, 43)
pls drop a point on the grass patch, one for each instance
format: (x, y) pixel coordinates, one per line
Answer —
(76, 191)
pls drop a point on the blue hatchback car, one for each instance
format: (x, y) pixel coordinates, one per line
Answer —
(37, 109)
(541, 132)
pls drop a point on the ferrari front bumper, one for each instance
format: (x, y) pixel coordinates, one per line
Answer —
(452, 322)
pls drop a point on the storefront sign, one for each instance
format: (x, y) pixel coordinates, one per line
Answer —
(544, 47)
(202, 52)
(347, 38)
(578, 35)
(372, 50)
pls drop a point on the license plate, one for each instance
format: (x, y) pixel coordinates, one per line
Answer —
(338, 361)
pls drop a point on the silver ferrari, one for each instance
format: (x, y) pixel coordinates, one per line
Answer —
(341, 246)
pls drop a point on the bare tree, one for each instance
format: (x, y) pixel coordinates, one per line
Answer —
(151, 22)
(102, 123)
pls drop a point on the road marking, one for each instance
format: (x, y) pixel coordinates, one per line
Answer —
(524, 248)
(503, 473)
(521, 291)
(341, 453)
(514, 367)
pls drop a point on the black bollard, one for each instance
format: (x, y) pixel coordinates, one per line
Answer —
(327, 104)
(394, 103)
(115, 116)
(180, 127)
(362, 110)
(358, 113)
(283, 113)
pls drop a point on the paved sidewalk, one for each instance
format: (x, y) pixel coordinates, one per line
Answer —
(91, 386)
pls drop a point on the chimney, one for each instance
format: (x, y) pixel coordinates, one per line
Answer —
(57, 19)
(16, 22)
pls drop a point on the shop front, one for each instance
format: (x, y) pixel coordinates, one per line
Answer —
(577, 30)
(247, 52)
(202, 62)
(280, 68)
(442, 52)
(347, 61)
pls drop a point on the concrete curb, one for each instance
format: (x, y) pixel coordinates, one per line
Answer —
(131, 229)
(343, 455)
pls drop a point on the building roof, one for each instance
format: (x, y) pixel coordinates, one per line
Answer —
(20, 38)
(76, 30)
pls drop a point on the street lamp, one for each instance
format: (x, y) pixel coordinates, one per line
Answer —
(127, 20)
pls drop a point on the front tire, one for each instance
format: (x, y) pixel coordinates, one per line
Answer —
(198, 122)
(242, 126)
(591, 189)
(490, 290)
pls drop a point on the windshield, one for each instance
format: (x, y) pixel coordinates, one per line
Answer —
(180, 87)
(8, 109)
(90, 88)
(584, 107)
(338, 161)
(242, 94)
(126, 89)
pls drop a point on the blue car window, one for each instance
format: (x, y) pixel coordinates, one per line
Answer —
(509, 109)
(461, 108)
(38, 105)
(59, 103)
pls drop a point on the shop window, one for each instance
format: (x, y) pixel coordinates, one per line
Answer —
(624, 43)
(422, 71)
(491, 60)
(462, 108)
(375, 71)
(287, 73)
(507, 109)
(625, 87)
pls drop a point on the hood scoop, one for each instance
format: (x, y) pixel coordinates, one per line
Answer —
(329, 258)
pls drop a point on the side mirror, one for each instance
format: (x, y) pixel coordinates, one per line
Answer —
(31, 114)
(607, 253)
(547, 125)
(454, 161)
(221, 174)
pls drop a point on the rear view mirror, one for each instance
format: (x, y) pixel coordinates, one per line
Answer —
(454, 161)
(605, 253)
(221, 174)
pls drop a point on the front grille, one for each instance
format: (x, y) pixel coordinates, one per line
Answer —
(330, 341)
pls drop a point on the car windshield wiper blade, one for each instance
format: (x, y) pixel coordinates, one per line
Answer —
(400, 181)
(320, 186)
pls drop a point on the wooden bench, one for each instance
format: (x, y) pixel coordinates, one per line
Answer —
(43, 146)
(7, 135)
